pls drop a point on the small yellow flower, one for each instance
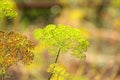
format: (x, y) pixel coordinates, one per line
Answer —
(59, 72)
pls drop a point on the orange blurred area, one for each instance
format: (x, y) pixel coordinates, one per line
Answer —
(97, 20)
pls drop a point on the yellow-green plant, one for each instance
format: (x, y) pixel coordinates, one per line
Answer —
(62, 39)
(59, 71)
(14, 48)
(7, 9)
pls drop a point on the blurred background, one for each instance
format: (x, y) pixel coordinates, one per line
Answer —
(99, 22)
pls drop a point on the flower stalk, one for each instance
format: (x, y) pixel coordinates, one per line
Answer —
(3, 73)
(55, 62)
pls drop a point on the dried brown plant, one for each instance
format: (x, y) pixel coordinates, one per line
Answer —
(14, 48)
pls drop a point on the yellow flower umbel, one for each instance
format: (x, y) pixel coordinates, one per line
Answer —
(7, 9)
(58, 71)
(61, 39)
(14, 48)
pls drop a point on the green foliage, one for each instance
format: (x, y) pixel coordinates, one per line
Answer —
(7, 9)
(62, 37)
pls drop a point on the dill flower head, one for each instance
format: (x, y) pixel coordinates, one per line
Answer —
(59, 71)
(62, 37)
(7, 9)
(14, 48)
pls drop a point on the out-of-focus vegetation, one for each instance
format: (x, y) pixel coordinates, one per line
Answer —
(7, 9)
(99, 22)
(14, 47)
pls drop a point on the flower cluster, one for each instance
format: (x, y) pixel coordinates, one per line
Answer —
(7, 9)
(59, 72)
(62, 37)
(14, 48)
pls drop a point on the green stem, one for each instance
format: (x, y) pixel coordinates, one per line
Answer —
(57, 56)
(3, 74)
(55, 62)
